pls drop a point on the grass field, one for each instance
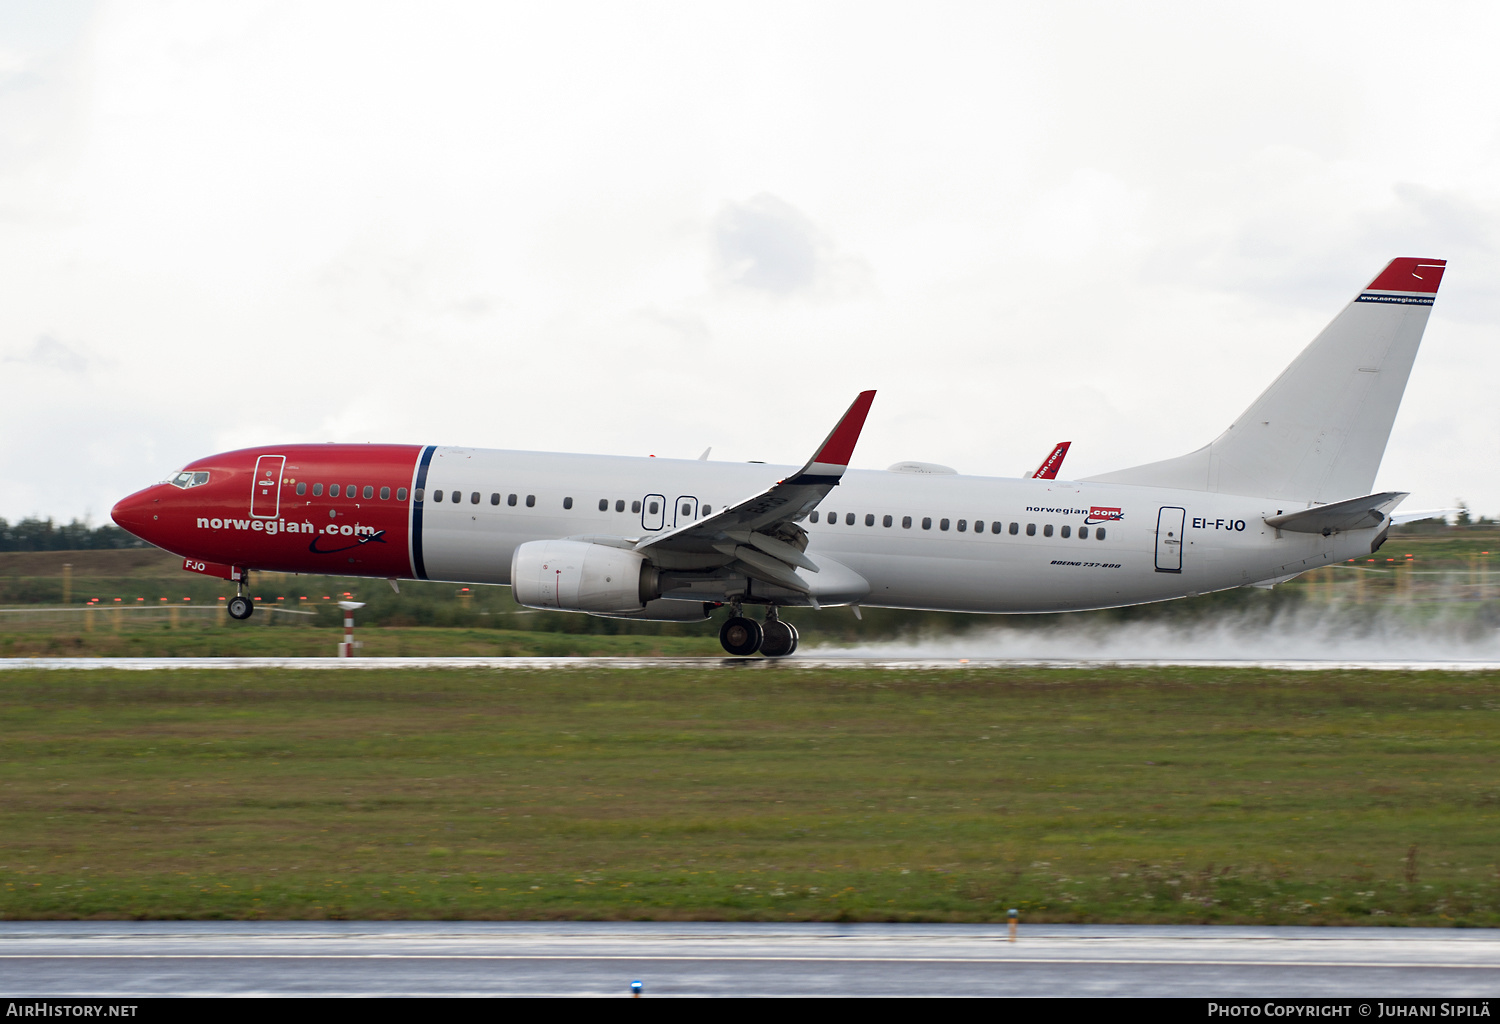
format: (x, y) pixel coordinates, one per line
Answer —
(202, 640)
(1171, 795)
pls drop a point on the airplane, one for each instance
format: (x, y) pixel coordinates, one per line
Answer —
(1284, 489)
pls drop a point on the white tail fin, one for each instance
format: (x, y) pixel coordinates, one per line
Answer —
(1318, 433)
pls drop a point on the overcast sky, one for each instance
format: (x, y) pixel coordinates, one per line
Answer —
(643, 228)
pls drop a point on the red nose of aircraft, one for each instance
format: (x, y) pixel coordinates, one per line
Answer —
(138, 513)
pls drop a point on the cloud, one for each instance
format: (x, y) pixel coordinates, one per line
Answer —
(52, 354)
(768, 245)
(447, 228)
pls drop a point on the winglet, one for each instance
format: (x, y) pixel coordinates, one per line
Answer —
(833, 455)
(1052, 463)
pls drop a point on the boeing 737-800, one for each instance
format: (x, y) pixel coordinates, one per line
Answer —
(1284, 489)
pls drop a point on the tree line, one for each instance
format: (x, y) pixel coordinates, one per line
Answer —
(32, 534)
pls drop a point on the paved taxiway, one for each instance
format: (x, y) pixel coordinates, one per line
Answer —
(592, 958)
(798, 662)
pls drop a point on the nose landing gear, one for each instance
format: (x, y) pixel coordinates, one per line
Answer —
(742, 637)
(240, 606)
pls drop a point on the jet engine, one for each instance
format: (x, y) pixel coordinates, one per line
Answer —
(578, 576)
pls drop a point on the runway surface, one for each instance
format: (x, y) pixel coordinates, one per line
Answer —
(799, 662)
(591, 958)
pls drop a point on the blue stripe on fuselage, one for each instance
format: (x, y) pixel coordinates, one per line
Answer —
(418, 499)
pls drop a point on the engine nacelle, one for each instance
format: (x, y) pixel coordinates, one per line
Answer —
(577, 576)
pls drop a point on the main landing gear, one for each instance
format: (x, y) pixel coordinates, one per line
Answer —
(240, 606)
(742, 637)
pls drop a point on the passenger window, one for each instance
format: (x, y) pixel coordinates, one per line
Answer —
(942, 524)
(1099, 533)
(350, 490)
(906, 522)
(1031, 529)
(1083, 533)
(963, 525)
(869, 519)
(531, 501)
(417, 495)
(848, 518)
(401, 494)
(603, 504)
(317, 490)
(369, 492)
(814, 516)
(333, 490)
(926, 522)
(436, 495)
(886, 522)
(1067, 531)
(494, 497)
(653, 508)
(511, 501)
(833, 519)
(1047, 530)
(473, 497)
(567, 503)
(1015, 528)
(706, 510)
(687, 510)
(620, 505)
(635, 506)
(385, 494)
(301, 489)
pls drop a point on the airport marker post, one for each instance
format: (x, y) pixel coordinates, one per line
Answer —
(1014, 916)
(346, 649)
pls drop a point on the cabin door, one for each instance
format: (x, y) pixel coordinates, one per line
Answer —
(653, 512)
(265, 491)
(1169, 539)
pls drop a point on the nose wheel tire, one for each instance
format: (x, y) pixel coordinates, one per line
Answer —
(780, 639)
(240, 607)
(741, 636)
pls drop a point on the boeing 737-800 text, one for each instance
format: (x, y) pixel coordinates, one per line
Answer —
(1284, 489)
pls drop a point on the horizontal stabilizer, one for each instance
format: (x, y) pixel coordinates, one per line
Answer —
(1354, 514)
(1416, 515)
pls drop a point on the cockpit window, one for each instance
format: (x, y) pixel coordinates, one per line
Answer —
(188, 478)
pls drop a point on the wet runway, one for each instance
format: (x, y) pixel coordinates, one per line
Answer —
(590, 958)
(797, 662)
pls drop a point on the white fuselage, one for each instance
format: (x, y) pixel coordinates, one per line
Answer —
(1215, 542)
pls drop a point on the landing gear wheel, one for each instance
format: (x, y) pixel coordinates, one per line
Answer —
(741, 636)
(780, 639)
(240, 607)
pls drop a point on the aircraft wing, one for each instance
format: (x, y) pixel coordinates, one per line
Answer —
(760, 536)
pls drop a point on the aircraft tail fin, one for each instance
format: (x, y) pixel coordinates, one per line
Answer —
(1318, 433)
